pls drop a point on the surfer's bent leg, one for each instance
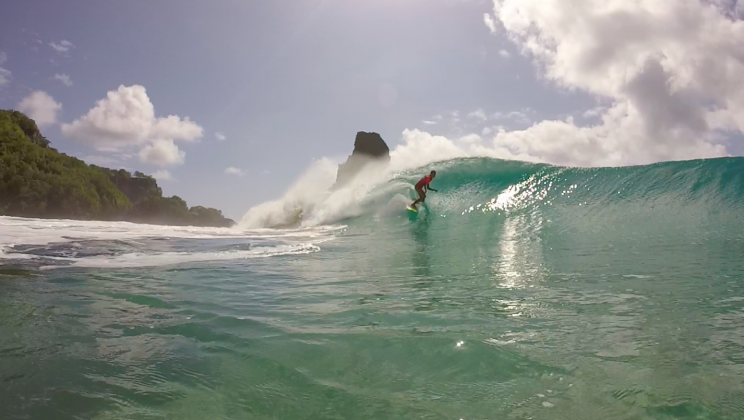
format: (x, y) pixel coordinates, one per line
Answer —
(422, 196)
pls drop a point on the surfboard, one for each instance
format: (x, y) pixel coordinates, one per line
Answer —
(412, 213)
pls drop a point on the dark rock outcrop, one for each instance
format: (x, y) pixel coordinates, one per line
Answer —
(368, 148)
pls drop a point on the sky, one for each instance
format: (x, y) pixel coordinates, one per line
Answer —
(227, 102)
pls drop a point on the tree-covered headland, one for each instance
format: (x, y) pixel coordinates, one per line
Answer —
(38, 181)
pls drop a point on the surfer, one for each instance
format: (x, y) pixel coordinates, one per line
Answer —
(422, 186)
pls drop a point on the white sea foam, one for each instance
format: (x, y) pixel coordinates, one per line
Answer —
(43, 232)
(169, 258)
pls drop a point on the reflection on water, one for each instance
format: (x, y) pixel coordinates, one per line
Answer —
(519, 263)
(420, 255)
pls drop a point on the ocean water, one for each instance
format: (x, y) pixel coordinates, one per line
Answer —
(519, 291)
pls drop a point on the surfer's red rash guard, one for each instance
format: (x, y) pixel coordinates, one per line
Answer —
(424, 181)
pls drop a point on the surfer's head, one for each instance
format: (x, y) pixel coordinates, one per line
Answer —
(433, 174)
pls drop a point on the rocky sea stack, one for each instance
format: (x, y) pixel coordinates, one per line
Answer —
(368, 148)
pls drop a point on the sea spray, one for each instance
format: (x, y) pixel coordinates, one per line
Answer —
(312, 202)
(310, 188)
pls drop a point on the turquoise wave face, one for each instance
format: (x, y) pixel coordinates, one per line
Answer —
(700, 197)
(480, 182)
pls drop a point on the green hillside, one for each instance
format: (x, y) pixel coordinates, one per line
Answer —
(38, 181)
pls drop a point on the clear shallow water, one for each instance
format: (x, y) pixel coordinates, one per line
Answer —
(579, 294)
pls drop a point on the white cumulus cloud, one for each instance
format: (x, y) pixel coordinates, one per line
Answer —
(504, 53)
(478, 114)
(40, 107)
(490, 23)
(162, 153)
(220, 136)
(672, 71)
(65, 79)
(521, 117)
(234, 171)
(163, 175)
(5, 74)
(594, 112)
(419, 148)
(126, 119)
(62, 46)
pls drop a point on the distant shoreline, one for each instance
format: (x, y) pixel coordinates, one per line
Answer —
(56, 219)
